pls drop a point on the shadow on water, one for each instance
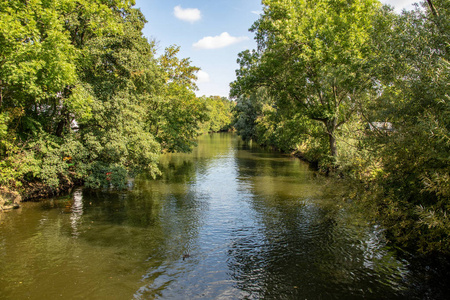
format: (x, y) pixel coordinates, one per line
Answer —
(227, 221)
(305, 252)
(303, 246)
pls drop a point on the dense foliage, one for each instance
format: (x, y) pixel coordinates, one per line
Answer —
(220, 114)
(364, 92)
(83, 97)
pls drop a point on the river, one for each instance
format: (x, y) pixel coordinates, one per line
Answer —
(227, 221)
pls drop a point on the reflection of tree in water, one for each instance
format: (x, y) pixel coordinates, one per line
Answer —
(154, 210)
(426, 277)
(177, 170)
(165, 208)
(165, 213)
(305, 246)
(146, 229)
(77, 211)
(429, 277)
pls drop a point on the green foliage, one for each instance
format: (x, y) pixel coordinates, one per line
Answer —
(37, 55)
(219, 110)
(105, 175)
(178, 71)
(3, 125)
(258, 118)
(46, 159)
(406, 170)
(331, 68)
(246, 112)
(116, 136)
(415, 161)
(175, 118)
(15, 165)
(312, 58)
(83, 98)
(175, 115)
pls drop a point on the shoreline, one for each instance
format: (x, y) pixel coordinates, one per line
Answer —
(11, 199)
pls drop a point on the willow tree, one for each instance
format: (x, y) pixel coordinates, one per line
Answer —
(313, 56)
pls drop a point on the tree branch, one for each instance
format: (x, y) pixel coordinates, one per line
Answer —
(433, 10)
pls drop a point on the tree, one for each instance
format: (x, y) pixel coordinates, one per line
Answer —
(219, 110)
(37, 60)
(413, 72)
(178, 71)
(313, 56)
(76, 77)
(122, 75)
(175, 114)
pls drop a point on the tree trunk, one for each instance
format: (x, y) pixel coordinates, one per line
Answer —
(331, 128)
(333, 149)
(433, 10)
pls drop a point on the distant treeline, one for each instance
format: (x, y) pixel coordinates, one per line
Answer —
(84, 99)
(364, 93)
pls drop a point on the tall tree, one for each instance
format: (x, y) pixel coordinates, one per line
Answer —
(76, 79)
(413, 72)
(175, 114)
(313, 56)
(37, 59)
(120, 70)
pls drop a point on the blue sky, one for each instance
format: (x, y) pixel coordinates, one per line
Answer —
(210, 32)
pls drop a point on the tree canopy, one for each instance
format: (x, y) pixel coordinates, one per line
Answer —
(313, 56)
(84, 98)
(363, 92)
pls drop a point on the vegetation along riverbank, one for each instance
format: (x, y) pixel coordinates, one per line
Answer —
(352, 86)
(85, 100)
(363, 92)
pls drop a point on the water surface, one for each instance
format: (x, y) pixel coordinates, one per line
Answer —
(228, 221)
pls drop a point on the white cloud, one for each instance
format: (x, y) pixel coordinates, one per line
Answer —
(187, 14)
(202, 77)
(401, 4)
(256, 12)
(219, 41)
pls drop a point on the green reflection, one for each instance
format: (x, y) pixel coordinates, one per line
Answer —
(249, 223)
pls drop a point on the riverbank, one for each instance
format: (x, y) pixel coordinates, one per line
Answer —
(9, 199)
(31, 191)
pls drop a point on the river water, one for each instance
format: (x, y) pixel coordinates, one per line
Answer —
(228, 221)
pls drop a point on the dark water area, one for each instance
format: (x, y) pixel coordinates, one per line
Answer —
(227, 221)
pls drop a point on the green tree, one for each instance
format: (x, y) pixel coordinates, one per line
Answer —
(175, 118)
(248, 109)
(219, 110)
(313, 56)
(122, 75)
(175, 114)
(178, 71)
(413, 74)
(76, 79)
(37, 66)
(37, 60)
(258, 118)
